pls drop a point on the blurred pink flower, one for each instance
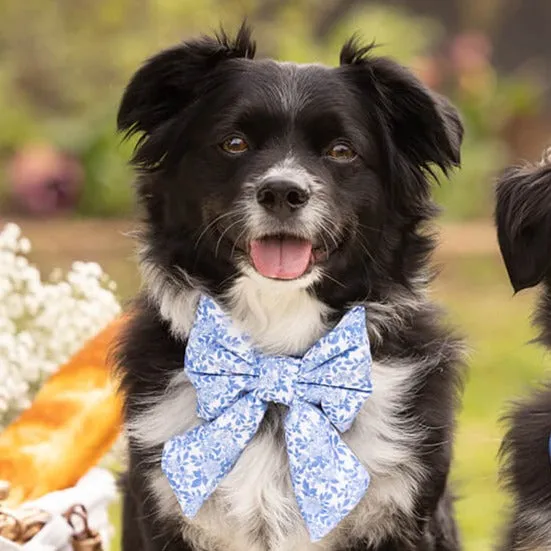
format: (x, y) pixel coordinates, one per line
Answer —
(470, 52)
(44, 181)
(429, 70)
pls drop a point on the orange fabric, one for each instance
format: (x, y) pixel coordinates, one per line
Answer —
(73, 421)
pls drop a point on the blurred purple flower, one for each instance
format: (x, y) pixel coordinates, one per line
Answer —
(45, 181)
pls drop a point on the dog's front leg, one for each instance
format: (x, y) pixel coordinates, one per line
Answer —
(141, 528)
(527, 474)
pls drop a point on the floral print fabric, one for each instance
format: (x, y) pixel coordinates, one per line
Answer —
(324, 390)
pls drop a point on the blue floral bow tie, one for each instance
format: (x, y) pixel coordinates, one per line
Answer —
(324, 391)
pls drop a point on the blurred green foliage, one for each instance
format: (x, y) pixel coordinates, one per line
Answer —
(489, 105)
(65, 65)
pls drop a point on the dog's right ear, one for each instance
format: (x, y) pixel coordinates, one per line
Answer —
(172, 79)
(523, 220)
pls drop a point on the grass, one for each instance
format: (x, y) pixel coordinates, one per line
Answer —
(501, 367)
(473, 287)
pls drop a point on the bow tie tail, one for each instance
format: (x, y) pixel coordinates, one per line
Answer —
(198, 460)
(328, 479)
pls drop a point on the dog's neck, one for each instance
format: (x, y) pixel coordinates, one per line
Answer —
(280, 317)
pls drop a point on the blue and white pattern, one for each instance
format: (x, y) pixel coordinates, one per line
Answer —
(324, 391)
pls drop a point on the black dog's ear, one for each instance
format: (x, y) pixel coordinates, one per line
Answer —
(523, 220)
(171, 80)
(423, 125)
(453, 127)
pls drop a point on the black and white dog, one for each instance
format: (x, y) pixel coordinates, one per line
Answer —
(289, 193)
(523, 218)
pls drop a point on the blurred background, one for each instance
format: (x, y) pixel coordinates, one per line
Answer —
(64, 177)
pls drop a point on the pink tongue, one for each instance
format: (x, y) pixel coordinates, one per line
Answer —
(281, 258)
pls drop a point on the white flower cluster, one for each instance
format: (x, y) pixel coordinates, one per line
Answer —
(43, 323)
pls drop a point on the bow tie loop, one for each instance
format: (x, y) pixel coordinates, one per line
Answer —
(350, 333)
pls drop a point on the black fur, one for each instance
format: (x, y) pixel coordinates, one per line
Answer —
(184, 102)
(523, 219)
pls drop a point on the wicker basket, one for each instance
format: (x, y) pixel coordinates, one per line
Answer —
(60, 520)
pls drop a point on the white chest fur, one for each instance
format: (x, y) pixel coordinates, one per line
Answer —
(254, 508)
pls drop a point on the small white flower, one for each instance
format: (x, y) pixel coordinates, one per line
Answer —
(24, 246)
(10, 235)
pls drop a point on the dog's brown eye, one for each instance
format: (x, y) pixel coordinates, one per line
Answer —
(341, 152)
(235, 145)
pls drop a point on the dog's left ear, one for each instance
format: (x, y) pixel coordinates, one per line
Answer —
(523, 220)
(424, 127)
(169, 82)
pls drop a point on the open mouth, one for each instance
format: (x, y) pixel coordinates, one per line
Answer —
(285, 257)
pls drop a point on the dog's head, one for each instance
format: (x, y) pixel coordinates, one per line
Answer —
(523, 219)
(309, 175)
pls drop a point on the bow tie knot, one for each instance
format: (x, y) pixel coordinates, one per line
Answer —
(277, 380)
(324, 390)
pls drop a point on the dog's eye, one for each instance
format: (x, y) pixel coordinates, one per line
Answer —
(341, 152)
(235, 145)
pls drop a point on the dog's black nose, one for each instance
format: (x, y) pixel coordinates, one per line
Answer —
(282, 197)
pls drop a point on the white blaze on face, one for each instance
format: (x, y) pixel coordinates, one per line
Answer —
(285, 251)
